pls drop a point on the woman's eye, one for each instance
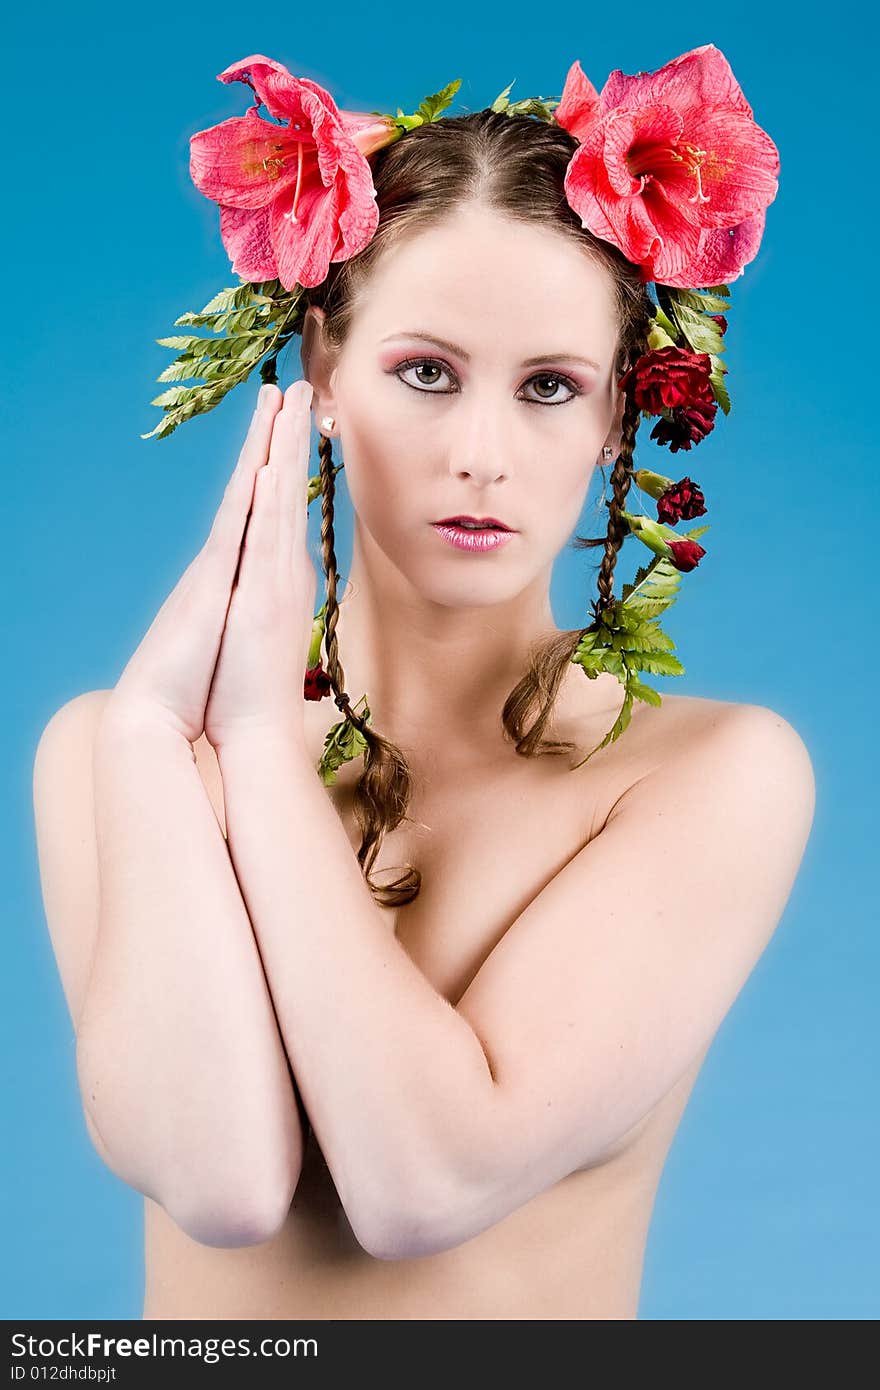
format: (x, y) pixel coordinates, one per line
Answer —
(429, 367)
(428, 372)
(555, 383)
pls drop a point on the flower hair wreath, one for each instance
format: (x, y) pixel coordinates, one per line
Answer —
(670, 168)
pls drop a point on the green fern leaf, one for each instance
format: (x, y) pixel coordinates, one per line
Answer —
(643, 692)
(431, 108)
(661, 664)
(716, 377)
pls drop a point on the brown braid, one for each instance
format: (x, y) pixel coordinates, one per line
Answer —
(382, 793)
(618, 530)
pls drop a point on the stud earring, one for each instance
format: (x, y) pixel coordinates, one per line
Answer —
(327, 422)
(607, 452)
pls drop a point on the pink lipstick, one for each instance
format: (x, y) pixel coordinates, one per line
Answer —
(472, 538)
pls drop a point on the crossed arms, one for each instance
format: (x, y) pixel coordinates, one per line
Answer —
(217, 969)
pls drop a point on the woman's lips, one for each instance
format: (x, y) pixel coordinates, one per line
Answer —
(467, 538)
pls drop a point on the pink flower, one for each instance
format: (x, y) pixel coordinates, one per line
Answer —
(671, 167)
(292, 197)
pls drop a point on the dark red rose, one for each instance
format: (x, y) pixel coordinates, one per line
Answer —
(666, 378)
(720, 320)
(688, 425)
(317, 683)
(681, 502)
(686, 555)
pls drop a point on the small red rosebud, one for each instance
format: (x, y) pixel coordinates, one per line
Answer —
(316, 684)
(681, 502)
(685, 555)
(720, 320)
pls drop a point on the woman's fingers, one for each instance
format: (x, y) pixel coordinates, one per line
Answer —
(289, 455)
(224, 540)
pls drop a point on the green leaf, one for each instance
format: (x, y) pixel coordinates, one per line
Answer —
(224, 300)
(702, 333)
(644, 692)
(702, 301)
(196, 320)
(183, 369)
(501, 103)
(175, 396)
(648, 638)
(343, 742)
(431, 108)
(716, 377)
(617, 728)
(661, 664)
(250, 321)
(691, 312)
(181, 343)
(664, 322)
(589, 640)
(655, 590)
(533, 106)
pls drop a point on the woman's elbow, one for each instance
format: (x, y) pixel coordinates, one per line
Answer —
(412, 1230)
(251, 1218)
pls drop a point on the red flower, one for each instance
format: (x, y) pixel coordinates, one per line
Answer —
(686, 555)
(671, 167)
(292, 197)
(317, 683)
(681, 502)
(668, 377)
(688, 425)
(720, 320)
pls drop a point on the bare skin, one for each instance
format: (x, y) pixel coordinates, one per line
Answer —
(490, 838)
(605, 997)
(487, 840)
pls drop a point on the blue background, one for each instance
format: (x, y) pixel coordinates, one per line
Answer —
(767, 1207)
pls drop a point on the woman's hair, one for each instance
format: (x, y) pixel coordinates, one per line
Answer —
(514, 165)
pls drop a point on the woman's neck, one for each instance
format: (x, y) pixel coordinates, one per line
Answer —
(427, 665)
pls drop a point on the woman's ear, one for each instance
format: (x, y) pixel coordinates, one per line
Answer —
(318, 363)
(615, 432)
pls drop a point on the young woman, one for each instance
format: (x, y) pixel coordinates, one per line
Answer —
(414, 1044)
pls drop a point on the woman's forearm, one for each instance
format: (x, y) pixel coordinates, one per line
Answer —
(389, 1072)
(178, 1051)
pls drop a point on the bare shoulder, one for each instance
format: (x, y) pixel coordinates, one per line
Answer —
(758, 730)
(729, 770)
(686, 727)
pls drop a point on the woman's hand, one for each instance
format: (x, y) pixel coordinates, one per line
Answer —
(258, 681)
(169, 676)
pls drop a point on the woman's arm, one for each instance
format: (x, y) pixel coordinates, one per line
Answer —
(386, 1066)
(180, 1062)
(438, 1121)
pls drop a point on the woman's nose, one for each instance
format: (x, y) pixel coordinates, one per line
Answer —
(480, 449)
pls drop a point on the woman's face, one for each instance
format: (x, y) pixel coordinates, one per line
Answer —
(506, 418)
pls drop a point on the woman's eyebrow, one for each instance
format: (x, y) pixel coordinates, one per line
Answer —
(529, 362)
